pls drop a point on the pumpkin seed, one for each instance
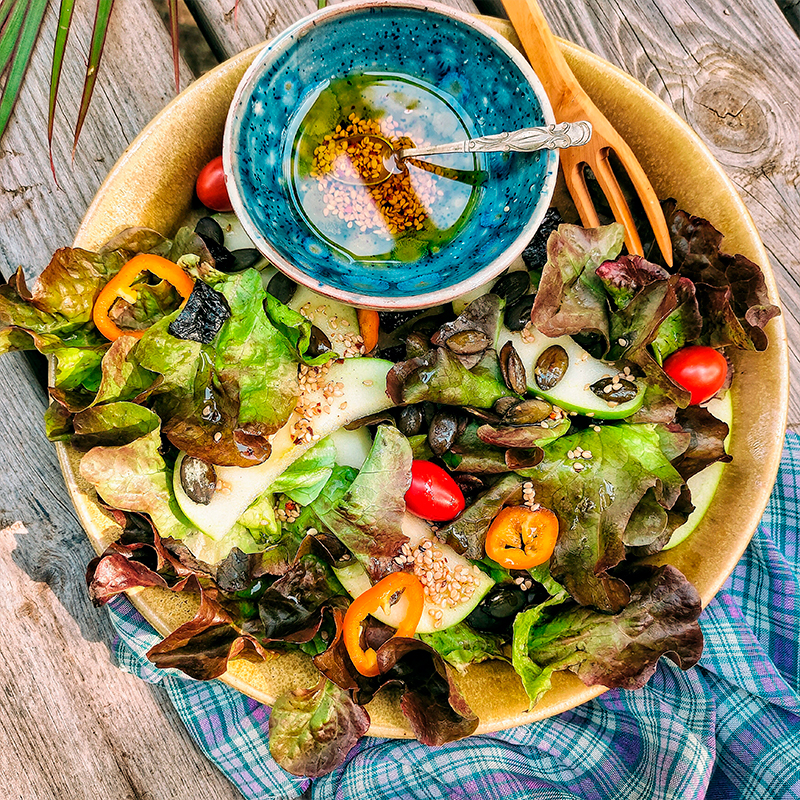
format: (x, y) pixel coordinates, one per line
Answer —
(528, 412)
(318, 343)
(409, 421)
(467, 343)
(518, 314)
(442, 432)
(512, 285)
(503, 404)
(615, 390)
(281, 287)
(513, 369)
(198, 479)
(550, 367)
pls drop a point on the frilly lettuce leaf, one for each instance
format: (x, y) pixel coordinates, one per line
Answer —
(430, 698)
(571, 298)
(135, 477)
(311, 731)
(596, 510)
(731, 290)
(369, 515)
(439, 376)
(459, 645)
(619, 650)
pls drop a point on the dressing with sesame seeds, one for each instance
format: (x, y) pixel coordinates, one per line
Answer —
(394, 221)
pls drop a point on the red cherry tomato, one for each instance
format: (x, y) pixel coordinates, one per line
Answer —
(433, 494)
(211, 189)
(700, 370)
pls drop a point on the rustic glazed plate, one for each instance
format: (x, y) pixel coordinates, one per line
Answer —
(152, 185)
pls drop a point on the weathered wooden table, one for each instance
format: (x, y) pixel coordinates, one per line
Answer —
(72, 725)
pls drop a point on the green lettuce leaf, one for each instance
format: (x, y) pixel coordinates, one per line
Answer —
(440, 377)
(304, 479)
(368, 517)
(460, 645)
(596, 510)
(135, 477)
(311, 731)
(619, 650)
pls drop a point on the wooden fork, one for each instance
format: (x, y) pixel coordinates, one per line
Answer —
(570, 104)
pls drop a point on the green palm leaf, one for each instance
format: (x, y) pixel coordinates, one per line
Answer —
(99, 31)
(60, 46)
(22, 21)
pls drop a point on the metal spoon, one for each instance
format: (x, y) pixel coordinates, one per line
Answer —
(525, 140)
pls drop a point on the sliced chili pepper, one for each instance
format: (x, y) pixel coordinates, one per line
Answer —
(366, 661)
(369, 326)
(520, 538)
(121, 285)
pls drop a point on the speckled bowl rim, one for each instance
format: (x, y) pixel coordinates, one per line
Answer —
(280, 45)
(152, 167)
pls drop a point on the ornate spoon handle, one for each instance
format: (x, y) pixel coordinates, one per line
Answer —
(525, 140)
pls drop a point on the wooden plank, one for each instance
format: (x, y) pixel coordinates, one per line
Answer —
(230, 29)
(708, 60)
(72, 724)
(37, 216)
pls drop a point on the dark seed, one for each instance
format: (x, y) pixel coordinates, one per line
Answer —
(209, 228)
(246, 257)
(535, 254)
(380, 418)
(512, 286)
(223, 259)
(409, 421)
(528, 412)
(523, 457)
(627, 390)
(318, 343)
(496, 612)
(469, 484)
(198, 479)
(504, 403)
(466, 343)
(518, 314)
(513, 369)
(442, 432)
(417, 344)
(484, 414)
(203, 315)
(281, 287)
(550, 367)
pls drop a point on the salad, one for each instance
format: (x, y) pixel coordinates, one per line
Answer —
(398, 496)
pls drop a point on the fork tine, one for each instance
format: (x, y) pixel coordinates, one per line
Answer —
(576, 184)
(652, 208)
(619, 205)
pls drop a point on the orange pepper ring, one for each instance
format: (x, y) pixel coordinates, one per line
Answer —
(160, 267)
(366, 661)
(507, 533)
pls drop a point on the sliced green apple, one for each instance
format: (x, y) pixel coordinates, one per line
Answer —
(364, 392)
(333, 318)
(572, 392)
(703, 485)
(354, 578)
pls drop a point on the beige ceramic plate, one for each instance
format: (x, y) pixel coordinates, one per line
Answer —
(152, 185)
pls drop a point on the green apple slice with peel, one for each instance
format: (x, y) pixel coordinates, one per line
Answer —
(703, 485)
(364, 392)
(572, 392)
(354, 578)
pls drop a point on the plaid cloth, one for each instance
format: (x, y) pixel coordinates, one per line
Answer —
(729, 728)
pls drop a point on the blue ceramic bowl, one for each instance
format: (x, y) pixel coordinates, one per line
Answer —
(485, 81)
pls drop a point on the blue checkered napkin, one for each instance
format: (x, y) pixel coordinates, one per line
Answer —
(729, 728)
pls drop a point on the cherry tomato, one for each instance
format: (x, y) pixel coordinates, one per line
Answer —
(433, 494)
(211, 189)
(700, 370)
